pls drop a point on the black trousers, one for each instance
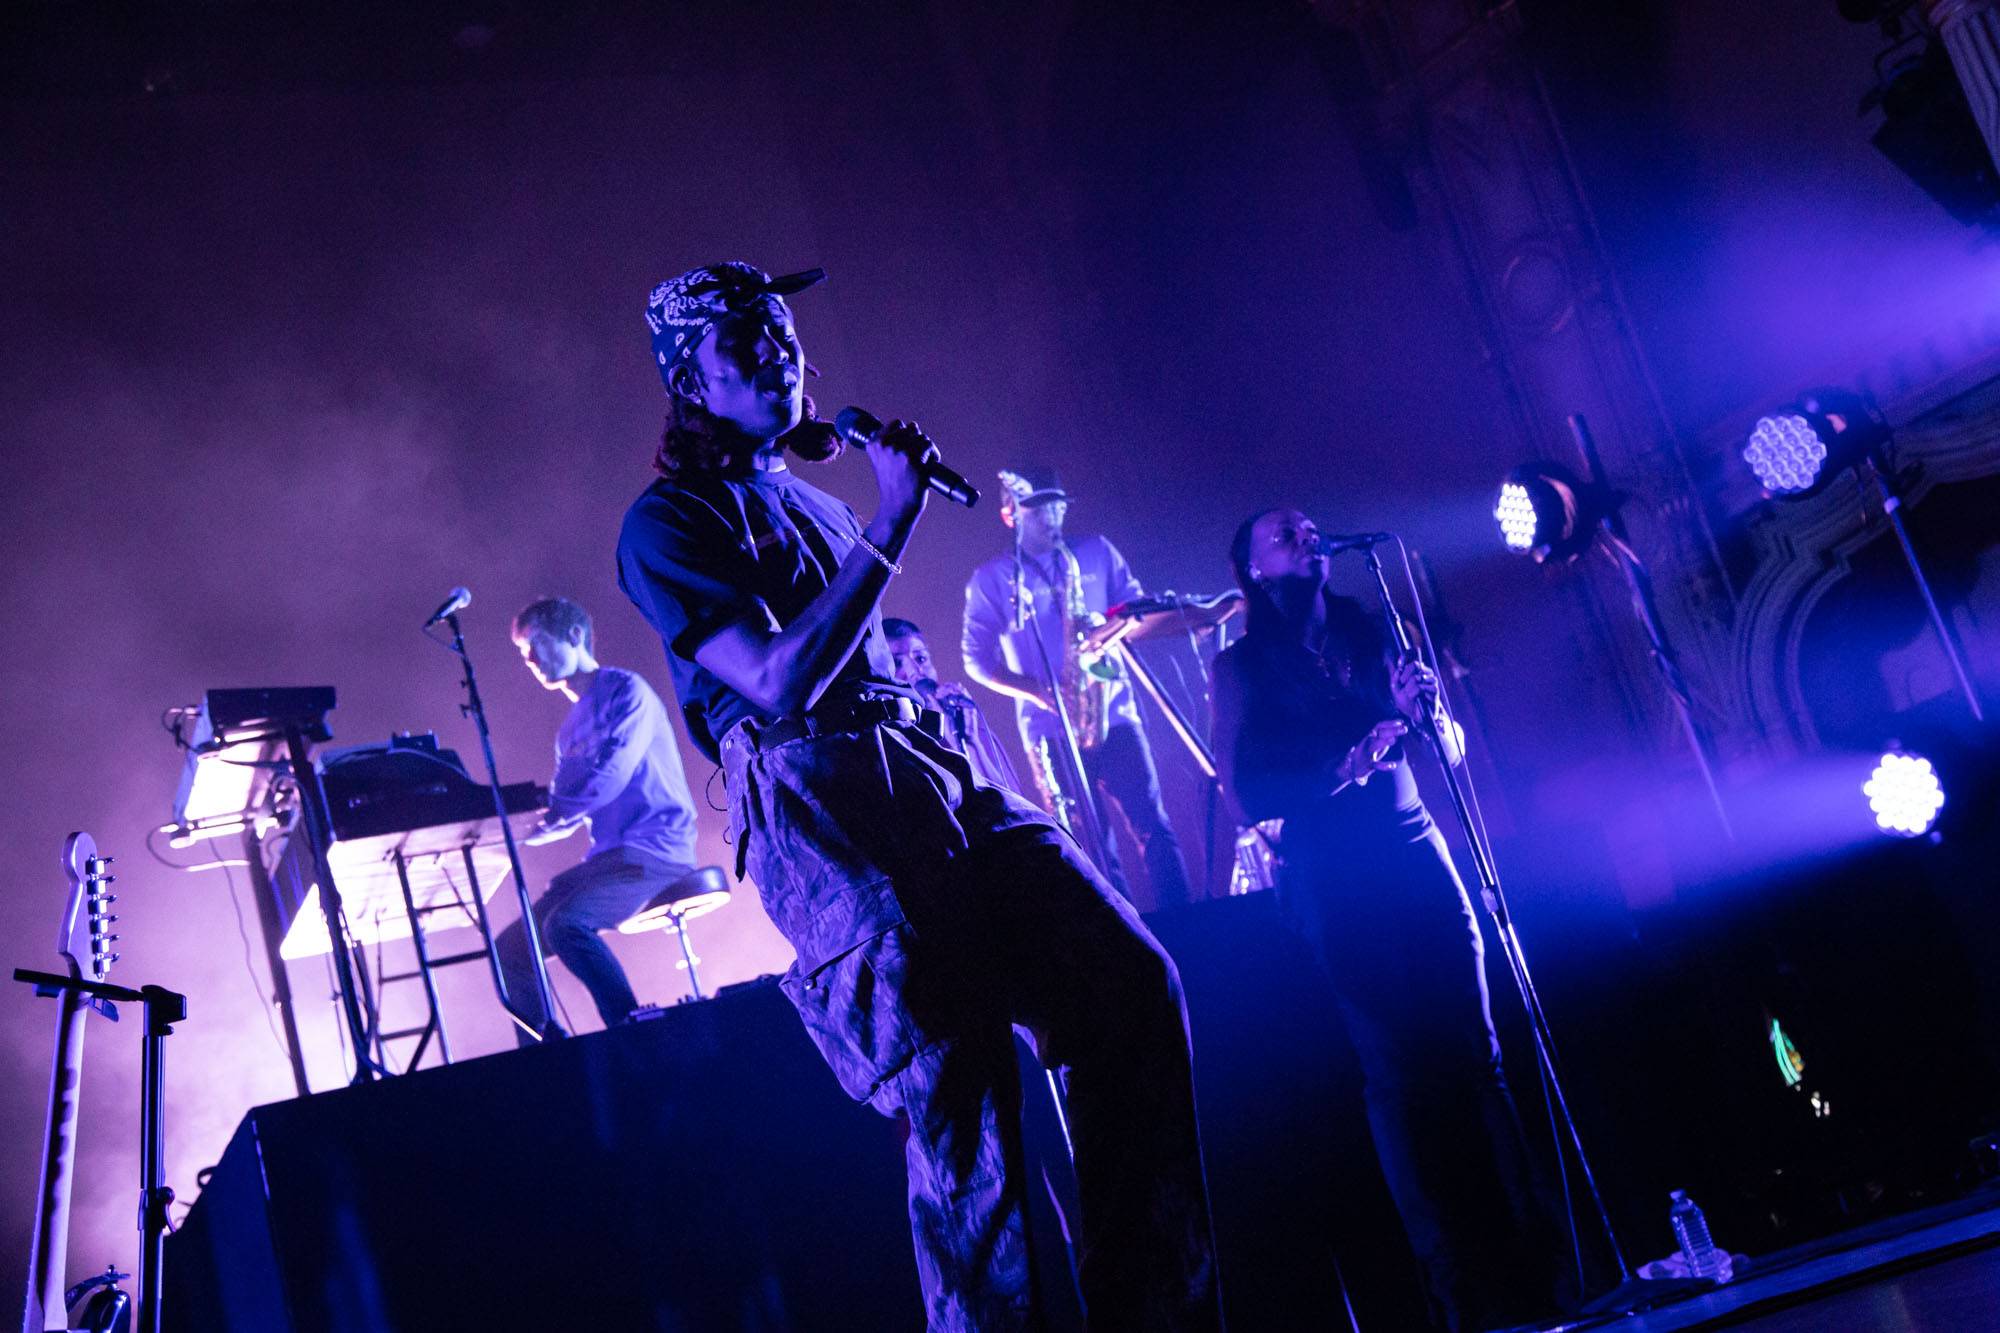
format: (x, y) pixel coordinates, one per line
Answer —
(1122, 768)
(1393, 927)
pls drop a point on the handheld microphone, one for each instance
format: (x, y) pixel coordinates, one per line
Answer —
(460, 599)
(1333, 543)
(952, 705)
(861, 428)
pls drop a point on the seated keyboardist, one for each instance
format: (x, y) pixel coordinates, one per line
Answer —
(618, 774)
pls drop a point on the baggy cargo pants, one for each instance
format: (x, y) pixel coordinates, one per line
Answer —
(931, 914)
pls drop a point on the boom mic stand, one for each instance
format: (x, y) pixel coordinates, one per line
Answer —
(1503, 926)
(1091, 832)
(1639, 582)
(475, 708)
(1874, 466)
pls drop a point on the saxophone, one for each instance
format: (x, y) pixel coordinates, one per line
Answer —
(1055, 797)
(1087, 673)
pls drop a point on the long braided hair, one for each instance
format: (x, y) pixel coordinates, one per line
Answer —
(1260, 611)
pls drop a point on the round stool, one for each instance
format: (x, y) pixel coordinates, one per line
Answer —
(673, 907)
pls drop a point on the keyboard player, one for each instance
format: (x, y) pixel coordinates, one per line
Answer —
(619, 775)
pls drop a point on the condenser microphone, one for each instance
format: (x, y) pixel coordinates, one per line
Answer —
(460, 599)
(861, 428)
(1333, 543)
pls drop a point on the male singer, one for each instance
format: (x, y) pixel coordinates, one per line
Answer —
(1059, 587)
(910, 660)
(618, 774)
(930, 911)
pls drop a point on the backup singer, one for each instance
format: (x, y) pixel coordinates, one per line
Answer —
(618, 774)
(965, 722)
(1311, 714)
(1061, 587)
(930, 910)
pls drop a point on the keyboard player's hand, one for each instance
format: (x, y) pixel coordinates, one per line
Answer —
(551, 832)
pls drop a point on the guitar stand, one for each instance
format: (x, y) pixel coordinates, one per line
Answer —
(164, 1008)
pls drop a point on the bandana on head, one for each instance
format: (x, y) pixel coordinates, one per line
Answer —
(682, 310)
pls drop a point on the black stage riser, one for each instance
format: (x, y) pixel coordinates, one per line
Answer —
(704, 1172)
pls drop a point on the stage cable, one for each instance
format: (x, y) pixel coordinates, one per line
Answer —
(249, 965)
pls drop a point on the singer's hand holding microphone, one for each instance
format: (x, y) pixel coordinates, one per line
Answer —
(897, 452)
(860, 428)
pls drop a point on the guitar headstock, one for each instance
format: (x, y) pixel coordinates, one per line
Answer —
(86, 937)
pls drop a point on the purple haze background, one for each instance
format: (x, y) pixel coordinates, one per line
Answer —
(291, 353)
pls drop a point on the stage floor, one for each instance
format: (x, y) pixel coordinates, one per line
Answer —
(1936, 1271)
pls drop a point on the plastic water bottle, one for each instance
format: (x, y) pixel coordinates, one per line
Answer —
(1697, 1248)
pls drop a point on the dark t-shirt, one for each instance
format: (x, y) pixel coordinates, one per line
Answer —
(700, 555)
(1302, 713)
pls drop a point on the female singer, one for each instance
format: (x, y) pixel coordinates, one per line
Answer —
(1312, 712)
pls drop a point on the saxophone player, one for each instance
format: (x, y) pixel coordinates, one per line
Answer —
(1025, 612)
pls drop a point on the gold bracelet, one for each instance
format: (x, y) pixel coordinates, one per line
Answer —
(880, 555)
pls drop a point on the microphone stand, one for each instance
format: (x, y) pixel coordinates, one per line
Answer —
(1091, 833)
(475, 708)
(1088, 831)
(1639, 583)
(1495, 902)
(1875, 467)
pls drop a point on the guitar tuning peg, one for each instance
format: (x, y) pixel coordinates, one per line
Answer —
(109, 919)
(109, 938)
